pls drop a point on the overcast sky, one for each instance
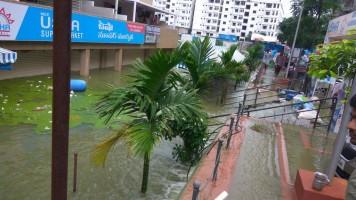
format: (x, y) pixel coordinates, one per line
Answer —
(286, 8)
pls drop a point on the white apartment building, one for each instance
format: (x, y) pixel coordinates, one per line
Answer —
(221, 18)
(182, 12)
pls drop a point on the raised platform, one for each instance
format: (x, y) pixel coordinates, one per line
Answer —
(303, 186)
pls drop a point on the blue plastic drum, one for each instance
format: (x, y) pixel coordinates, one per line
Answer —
(78, 85)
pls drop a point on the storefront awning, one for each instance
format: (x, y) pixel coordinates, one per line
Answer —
(7, 58)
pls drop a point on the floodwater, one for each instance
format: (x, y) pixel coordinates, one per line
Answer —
(257, 172)
(25, 145)
(25, 149)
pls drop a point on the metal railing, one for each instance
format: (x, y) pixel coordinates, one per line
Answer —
(198, 186)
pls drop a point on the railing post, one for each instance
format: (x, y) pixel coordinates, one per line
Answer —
(75, 172)
(333, 107)
(317, 114)
(217, 159)
(244, 101)
(196, 188)
(239, 113)
(232, 119)
(256, 97)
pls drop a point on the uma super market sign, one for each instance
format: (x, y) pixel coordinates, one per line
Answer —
(20, 22)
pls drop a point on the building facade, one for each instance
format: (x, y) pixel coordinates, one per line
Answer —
(181, 12)
(219, 18)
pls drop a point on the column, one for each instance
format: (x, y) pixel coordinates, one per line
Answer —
(103, 59)
(118, 60)
(85, 62)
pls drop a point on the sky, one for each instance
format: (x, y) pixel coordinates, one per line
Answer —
(286, 8)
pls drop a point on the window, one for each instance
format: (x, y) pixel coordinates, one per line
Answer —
(254, 12)
(243, 34)
(224, 22)
(242, 3)
(222, 29)
(210, 8)
(237, 3)
(209, 20)
(198, 33)
(168, 6)
(234, 24)
(278, 6)
(167, 18)
(240, 16)
(255, 4)
(209, 15)
(216, 8)
(208, 28)
(268, 13)
(247, 14)
(264, 27)
(265, 20)
(226, 9)
(227, 2)
(235, 17)
(213, 28)
(253, 19)
(276, 12)
(225, 16)
(236, 10)
(241, 10)
(274, 5)
(245, 21)
(269, 5)
(233, 30)
(272, 12)
(243, 27)
(251, 26)
(248, 6)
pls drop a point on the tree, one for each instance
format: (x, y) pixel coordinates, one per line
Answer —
(314, 22)
(253, 59)
(196, 57)
(228, 69)
(152, 103)
(334, 60)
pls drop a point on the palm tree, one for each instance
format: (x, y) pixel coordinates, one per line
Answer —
(197, 57)
(151, 102)
(228, 69)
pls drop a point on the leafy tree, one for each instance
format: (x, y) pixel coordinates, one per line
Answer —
(334, 60)
(152, 103)
(314, 22)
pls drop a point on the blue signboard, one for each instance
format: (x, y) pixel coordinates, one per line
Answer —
(29, 23)
(229, 38)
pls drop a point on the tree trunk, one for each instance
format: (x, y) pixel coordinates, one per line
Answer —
(146, 168)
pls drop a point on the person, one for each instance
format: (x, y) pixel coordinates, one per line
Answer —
(351, 186)
(280, 62)
(267, 58)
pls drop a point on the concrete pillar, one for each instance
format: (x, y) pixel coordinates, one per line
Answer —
(118, 60)
(85, 62)
(103, 59)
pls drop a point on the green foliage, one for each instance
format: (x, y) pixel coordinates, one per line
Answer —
(311, 32)
(194, 133)
(334, 60)
(197, 58)
(314, 22)
(253, 59)
(152, 102)
(315, 8)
